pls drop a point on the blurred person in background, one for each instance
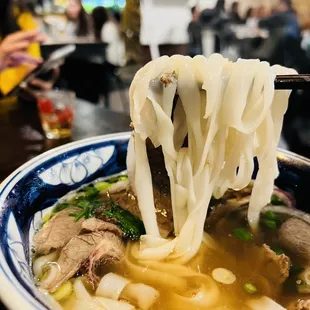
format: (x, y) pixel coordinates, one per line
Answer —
(283, 46)
(100, 17)
(251, 19)
(234, 14)
(251, 23)
(194, 31)
(285, 18)
(216, 20)
(78, 21)
(107, 30)
(164, 28)
(14, 17)
(263, 12)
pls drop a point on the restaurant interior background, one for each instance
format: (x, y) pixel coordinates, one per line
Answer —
(114, 38)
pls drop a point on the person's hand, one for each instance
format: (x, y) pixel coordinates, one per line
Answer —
(13, 49)
(41, 84)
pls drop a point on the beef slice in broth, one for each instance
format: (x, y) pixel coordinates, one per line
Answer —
(94, 224)
(100, 245)
(274, 267)
(57, 232)
(294, 236)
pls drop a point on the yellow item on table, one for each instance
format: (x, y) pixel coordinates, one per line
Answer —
(11, 77)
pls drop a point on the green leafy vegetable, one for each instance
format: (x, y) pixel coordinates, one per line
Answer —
(60, 207)
(242, 234)
(249, 288)
(87, 207)
(276, 201)
(277, 250)
(131, 225)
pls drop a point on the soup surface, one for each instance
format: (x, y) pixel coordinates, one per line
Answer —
(87, 255)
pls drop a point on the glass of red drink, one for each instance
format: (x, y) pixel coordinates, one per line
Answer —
(56, 109)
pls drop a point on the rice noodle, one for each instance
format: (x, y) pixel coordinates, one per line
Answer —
(230, 113)
(182, 283)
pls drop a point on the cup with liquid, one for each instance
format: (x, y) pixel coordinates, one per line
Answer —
(56, 109)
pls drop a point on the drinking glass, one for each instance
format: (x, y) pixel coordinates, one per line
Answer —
(56, 109)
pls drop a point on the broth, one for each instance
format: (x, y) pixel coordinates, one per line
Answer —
(228, 244)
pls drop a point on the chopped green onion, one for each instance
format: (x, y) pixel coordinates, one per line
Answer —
(242, 234)
(249, 288)
(272, 224)
(47, 217)
(100, 186)
(276, 201)
(270, 215)
(116, 179)
(63, 292)
(277, 250)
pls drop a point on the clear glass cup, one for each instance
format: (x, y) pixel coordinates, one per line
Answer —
(56, 109)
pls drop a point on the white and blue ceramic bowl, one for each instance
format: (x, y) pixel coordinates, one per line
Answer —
(35, 186)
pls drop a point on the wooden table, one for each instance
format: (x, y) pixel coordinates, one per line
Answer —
(22, 138)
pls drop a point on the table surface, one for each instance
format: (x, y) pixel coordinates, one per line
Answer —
(22, 138)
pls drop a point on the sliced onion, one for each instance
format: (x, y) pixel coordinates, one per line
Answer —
(111, 286)
(87, 305)
(81, 292)
(53, 270)
(286, 197)
(142, 295)
(39, 263)
(109, 304)
(288, 211)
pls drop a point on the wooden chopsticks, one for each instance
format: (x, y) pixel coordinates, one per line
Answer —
(297, 81)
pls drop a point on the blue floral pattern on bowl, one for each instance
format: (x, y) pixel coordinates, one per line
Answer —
(28, 194)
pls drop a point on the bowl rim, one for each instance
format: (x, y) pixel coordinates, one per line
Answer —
(12, 293)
